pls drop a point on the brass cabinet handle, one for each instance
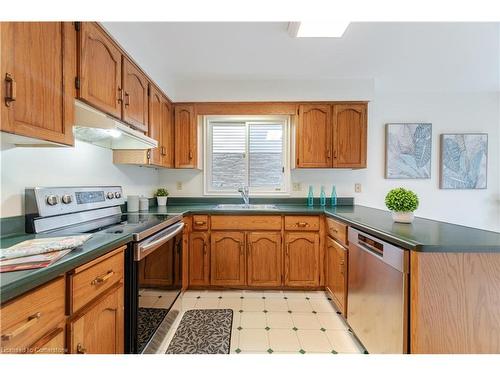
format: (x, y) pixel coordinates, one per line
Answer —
(120, 95)
(101, 279)
(200, 222)
(163, 152)
(302, 224)
(127, 99)
(190, 154)
(11, 96)
(334, 230)
(32, 320)
(80, 349)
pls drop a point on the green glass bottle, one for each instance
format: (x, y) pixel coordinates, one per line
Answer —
(322, 197)
(334, 196)
(310, 197)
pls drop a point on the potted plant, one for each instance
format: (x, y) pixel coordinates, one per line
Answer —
(402, 203)
(161, 196)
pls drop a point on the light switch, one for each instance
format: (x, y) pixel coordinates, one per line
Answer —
(179, 185)
(296, 186)
(357, 187)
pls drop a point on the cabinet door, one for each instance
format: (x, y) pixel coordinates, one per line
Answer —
(227, 253)
(135, 96)
(199, 259)
(264, 259)
(336, 277)
(38, 67)
(185, 137)
(99, 330)
(155, 124)
(302, 259)
(100, 70)
(167, 134)
(314, 137)
(349, 135)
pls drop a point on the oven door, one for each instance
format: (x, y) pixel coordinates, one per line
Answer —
(155, 283)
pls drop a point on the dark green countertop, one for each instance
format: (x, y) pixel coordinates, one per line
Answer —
(423, 235)
(15, 283)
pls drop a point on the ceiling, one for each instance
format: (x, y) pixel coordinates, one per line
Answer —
(181, 56)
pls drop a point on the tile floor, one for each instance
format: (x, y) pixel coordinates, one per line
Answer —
(276, 322)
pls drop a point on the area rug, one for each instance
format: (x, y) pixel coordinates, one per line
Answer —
(148, 321)
(203, 332)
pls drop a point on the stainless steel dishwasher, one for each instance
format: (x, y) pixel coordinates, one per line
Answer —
(378, 293)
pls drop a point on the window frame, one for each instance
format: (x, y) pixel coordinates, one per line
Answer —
(250, 119)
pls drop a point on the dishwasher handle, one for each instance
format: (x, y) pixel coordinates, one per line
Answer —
(391, 255)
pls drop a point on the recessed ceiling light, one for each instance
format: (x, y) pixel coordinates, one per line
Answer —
(318, 29)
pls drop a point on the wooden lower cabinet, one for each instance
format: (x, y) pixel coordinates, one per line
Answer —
(228, 260)
(264, 259)
(302, 259)
(336, 273)
(99, 328)
(199, 259)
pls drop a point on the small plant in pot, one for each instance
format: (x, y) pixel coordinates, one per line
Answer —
(402, 203)
(161, 196)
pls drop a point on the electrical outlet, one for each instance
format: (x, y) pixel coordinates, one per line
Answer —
(357, 187)
(179, 185)
(296, 186)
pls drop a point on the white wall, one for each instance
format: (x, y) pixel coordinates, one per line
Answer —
(84, 164)
(448, 112)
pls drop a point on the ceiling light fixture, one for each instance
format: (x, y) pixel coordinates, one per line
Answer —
(318, 29)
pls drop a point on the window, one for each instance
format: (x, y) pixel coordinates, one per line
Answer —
(246, 151)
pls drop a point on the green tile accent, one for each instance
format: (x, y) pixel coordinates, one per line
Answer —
(242, 297)
(289, 311)
(302, 351)
(295, 328)
(239, 328)
(263, 297)
(238, 351)
(334, 352)
(314, 312)
(198, 297)
(267, 328)
(285, 297)
(240, 311)
(265, 311)
(322, 329)
(307, 298)
(220, 297)
(270, 351)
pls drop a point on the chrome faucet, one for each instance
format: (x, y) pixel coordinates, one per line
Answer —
(244, 193)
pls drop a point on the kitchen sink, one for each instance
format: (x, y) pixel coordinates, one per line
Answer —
(246, 207)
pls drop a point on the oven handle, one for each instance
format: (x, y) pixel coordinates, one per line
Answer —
(143, 249)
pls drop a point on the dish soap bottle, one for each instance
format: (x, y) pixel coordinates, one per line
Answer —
(322, 197)
(310, 197)
(334, 196)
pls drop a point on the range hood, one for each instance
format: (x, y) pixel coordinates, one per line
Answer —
(102, 130)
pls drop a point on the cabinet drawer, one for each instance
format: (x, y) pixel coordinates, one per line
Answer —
(52, 343)
(29, 317)
(95, 277)
(337, 230)
(200, 222)
(246, 222)
(302, 223)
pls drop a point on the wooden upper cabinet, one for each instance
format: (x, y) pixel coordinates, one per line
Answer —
(135, 96)
(38, 68)
(313, 136)
(167, 134)
(264, 258)
(199, 258)
(100, 72)
(186, 139)
(336, 273)
(349, 135)
(302, 263)
(227, 258)
(99, 329)
(155, 123)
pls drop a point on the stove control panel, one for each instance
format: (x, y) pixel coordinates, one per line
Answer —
(63, 200)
